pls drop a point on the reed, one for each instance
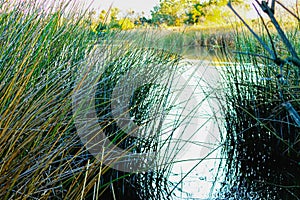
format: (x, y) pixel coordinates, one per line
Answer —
(261, 110)
(42, 156)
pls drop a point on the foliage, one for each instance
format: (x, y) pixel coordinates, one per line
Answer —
(179, 12)
(126, 24)
(168, 13)
(106, 20)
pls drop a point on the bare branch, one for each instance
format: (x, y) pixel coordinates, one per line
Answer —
(268, 32)
(289, 11)
(255, 35)
(273, 6)
(285, 40)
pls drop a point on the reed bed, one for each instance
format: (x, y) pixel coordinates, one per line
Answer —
(177, 41)
(44, 48)
(43, 51)
(261, 111)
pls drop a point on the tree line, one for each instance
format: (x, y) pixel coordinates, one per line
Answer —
(169, 13)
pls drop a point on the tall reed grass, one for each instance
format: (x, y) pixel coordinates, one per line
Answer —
(42, 156)
(262, 106)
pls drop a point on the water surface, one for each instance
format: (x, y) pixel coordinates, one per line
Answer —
(199, 172)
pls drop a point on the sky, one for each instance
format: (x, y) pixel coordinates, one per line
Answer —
(138, 5)
(124, 5)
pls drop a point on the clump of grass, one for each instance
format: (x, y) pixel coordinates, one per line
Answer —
(39, 51)
(42, 156)
(147, 63)
(211, 38)
(262, 106)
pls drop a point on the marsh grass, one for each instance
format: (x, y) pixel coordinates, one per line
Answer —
(262, 132)
(42, 54)
(179, 41)
(39, 51)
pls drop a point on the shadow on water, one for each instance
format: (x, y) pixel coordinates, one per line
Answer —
(262, 140)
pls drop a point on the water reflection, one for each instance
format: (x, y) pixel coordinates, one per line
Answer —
(202, 53)
(198, 174)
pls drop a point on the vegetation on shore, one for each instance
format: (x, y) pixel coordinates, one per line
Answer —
(170, 13)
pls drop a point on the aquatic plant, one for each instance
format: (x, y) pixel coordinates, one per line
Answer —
(262, 106)
(44, 47)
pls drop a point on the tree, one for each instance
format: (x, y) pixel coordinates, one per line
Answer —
(169, 12)
(126, 24)
(195, 14)
(211, 11)
(177, 12)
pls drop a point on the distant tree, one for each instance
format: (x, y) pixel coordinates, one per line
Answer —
(170, 12)
(103, 16)
(177, 12)
(126, 24)
(106, 20)
(114, 12)
(142, 20)
(211, 10)
(195, 14)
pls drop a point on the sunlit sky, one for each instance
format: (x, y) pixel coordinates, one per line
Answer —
(137, 5)
(124, 5)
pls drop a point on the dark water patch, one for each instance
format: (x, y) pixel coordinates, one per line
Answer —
(262, 141)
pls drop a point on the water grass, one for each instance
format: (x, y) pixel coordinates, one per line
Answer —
(39, 52)
(186, 41)
(43, 52)
(262, 115)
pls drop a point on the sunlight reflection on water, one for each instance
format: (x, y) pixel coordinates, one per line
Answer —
(203, 177)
